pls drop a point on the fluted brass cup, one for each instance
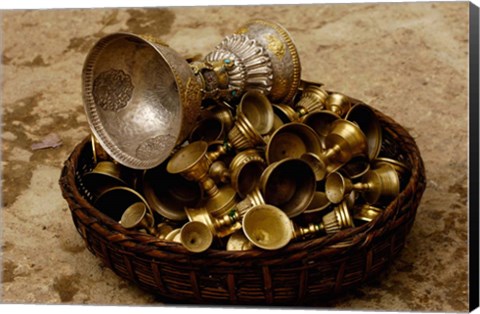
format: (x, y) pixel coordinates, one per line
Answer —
(313, 99)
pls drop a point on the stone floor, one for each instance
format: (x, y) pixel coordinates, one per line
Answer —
(410, 60)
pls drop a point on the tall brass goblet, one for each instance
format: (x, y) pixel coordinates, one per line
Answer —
(377, 186)
(193, 162)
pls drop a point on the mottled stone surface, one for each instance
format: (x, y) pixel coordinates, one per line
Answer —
(408, 60)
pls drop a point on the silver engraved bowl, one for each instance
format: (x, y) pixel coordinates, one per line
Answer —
(141, 98)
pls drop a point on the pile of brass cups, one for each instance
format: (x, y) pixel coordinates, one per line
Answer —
(257, 174)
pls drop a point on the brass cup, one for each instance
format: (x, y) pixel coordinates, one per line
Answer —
(104, 176)
(267, 227)
(224, 114)
(245, 171)
(115, 201)
(402, 169)
(317, 164)
(345, 141)
(292, 140)
(366, 213)
(254, 118)
(321, 122)
(288, 184)
(167, 194)
(313, 98)
(219, 227)
(338, 104)
(364, 116)
(377, 186)
(136, 216)
(252, 199)
(196, 237)
(209, 130)
(238, 242)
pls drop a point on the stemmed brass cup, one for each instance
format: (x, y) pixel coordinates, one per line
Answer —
(377, 186)
(292, 140)
(313, 98)
(338, 104)
(193, 163)
(254, 119)
(344, 142)
(401, 168)
(137, 216)
(246, 169)
(195, 236)
(321, 122)
(366, 119)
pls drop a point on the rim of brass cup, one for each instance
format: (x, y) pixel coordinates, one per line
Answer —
(137, 216)
(338, 103)
(174, 235)
(239, 242)
(114, 201)
(345, 141)
(167, 194)
(254, 118)
(196, 237)
(246, 169)
(366, 213)
(104, 176)
(320, 122)
(364, 116)
(267, 227)
(208, 130)
(292, 140)
(313, 98)
(285, 113)
(288, 184)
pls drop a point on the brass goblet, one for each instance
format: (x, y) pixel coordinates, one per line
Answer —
(292, 140)
(377, 186)
(132, 83)
(402, 169)
(364, 116)
(245, 171)
(254, 118)
(174, 235)
(288, 184)
(193, 163)
(196, 237)
(344, 142)
(137, 216)
(338, 104)
(340, 218)
(313, 98)
(321, 122)
(286, 113)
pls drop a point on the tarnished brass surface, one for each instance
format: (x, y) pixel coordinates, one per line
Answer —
(321, 122)
(208, 130)
(366, 213)
(313, 99)
(114, 201)
(136, 216)
(239, 242)
(338, 104)
(245, 171)
(219, 227)
(104, 176)
(318, 204)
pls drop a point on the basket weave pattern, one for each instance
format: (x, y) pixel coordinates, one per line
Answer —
(300, 273)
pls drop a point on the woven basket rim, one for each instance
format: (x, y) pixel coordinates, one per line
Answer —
(341, 242)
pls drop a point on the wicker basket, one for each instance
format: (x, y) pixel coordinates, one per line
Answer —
(299, 274)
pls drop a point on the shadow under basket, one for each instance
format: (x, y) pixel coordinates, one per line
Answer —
(301, 273)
